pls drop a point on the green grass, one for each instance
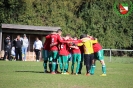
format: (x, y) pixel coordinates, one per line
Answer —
(30, 75)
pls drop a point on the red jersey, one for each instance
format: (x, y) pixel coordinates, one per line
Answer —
(63, 49)
(97, 47)
(68, 48)
(46, 45)
(54, 39)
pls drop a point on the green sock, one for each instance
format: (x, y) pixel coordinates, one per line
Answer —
(92, 69)
(45, 66)
(72, 68)
(50, 66)
(53, 66)
(61, 67)
(65, 67)
(56, 68)
(78, 66)
(104, 69)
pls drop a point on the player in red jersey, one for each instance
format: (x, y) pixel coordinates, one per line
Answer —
(98, 55)
(76, 56)
(63, 56)
(46, 48)
(55, 40)
(69, 50)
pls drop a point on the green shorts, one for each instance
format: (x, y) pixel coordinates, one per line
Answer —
(53, 55)
(45, 54)
(63, 59)
(99, 55)
(76, 58)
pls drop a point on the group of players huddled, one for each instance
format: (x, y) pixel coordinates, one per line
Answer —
(58, 50)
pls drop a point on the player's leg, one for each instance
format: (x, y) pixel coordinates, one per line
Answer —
(87, 62)
(56, 69)
(50, 63)
(50, 60)
(101, 59)
(60, 63)
(54, 56)
(45, 56)
(81, 63)
(65, 63)
(93, 66)
(78, 59)
(69, 59)
(73, 62)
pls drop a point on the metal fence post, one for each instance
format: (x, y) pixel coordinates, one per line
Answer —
(110, 56)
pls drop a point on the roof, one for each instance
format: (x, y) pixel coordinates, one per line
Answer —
(29, 27)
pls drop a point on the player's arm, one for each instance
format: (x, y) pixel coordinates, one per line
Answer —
(53, 44)
(75, 47)
(94, 41)
(61, 41)
(48, 36)
(79, 44)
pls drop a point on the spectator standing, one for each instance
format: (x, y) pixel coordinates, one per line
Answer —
(18, 45)
(37, 46)
(7, 48)
(24, 47)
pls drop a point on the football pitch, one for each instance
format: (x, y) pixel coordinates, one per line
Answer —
(16, 74)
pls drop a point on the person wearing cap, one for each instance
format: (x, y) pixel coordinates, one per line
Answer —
(24, 47)
(7, 48)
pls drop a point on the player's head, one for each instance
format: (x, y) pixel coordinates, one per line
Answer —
(67, 37)
(53, 32)
(18, 37)
(37, 38)
(75, 38)
(59, 31)
(83, 36)
(8, 37)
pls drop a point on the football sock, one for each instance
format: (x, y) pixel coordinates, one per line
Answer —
(50, 66)
(65, 67)
(72, 67)
(78, 66)
(45, 65)
(92, 69)
(53, 66)
(104, 69)
(61, 67)
(56, 69)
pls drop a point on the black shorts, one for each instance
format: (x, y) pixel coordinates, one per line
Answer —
(88, 59)
(7, 52)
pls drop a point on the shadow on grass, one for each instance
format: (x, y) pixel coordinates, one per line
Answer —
(30, 71)
(36, 72)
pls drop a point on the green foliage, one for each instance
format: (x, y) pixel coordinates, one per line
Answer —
(75, 17)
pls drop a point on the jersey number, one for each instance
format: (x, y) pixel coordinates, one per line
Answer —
(61, 46)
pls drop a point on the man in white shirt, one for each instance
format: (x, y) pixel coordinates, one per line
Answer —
(37, 46)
